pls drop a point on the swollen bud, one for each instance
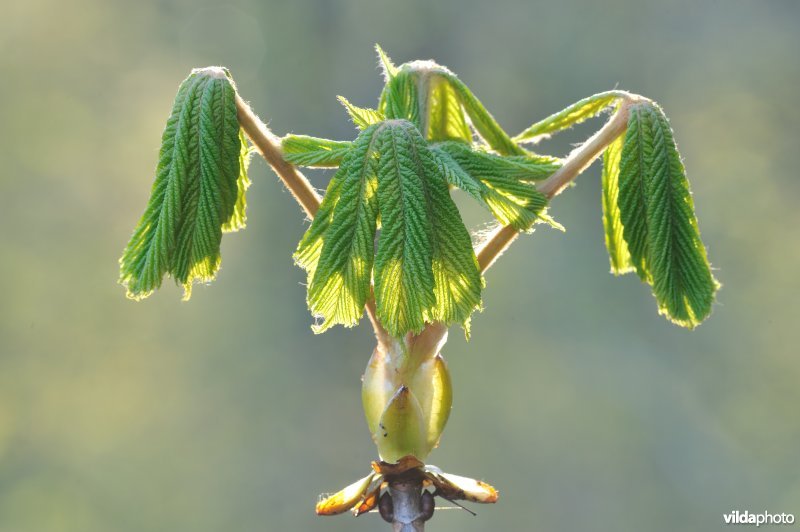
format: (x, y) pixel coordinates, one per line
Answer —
(406, 402)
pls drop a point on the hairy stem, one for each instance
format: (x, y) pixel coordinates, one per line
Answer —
(269, 146)
(574, 164)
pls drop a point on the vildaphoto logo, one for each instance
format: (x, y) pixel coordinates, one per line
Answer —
(765, 518)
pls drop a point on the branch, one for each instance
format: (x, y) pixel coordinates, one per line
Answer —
(577, 162)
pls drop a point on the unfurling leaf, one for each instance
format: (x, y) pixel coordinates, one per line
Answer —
(446, 119)
(400, 98)
(303, 150)
(659, 224)
(441, 106)
(572, 115)
(483, 121)
(199, 189)
(389, 70)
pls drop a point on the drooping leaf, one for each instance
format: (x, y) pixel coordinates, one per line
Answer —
(340, 284)
(371, 497)
(612, 223)
(659, 223)
(146, 258)
(632, 195)
(404, 278)
(457, 278)
(361, 116)
(308, 250)
(314, 152)
(425, 267)
(683, 283)
(572, 115)
(238, 218)
(198, 190)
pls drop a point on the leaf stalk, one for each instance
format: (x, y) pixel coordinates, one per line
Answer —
(269, 147)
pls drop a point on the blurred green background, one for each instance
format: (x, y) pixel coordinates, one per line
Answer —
(586, 409)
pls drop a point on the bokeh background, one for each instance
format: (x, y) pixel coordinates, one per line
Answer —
(585, 408)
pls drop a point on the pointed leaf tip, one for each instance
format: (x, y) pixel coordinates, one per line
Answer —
(389, 70)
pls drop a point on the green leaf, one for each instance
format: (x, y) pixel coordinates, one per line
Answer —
(361, 116)
(457, 278)
(389, 70)
(446, 119)
(572, 115)
(340, 280)
(527, 168)
(483, 122)
(238, 218)
(438, 103)
(400, 98)
(612, 223)
(198, 190)
(659, 223)
(496, 182)
(425, 268)
(315, 152)
(632, 195)
(404, 278)
(457, 176)
(308, 250)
